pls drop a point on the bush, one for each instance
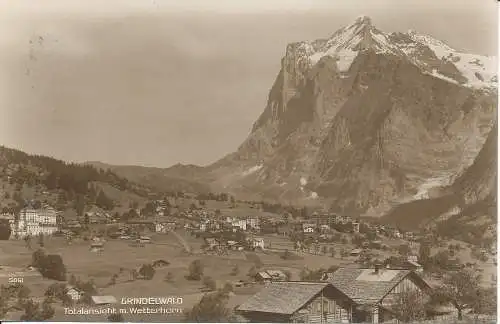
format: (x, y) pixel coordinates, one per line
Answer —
(235, 271)
(286, 255)
(147, 271)
(209, 283)
(50, 266)
(37, 258)
(56, 290)
(228, 287)
(410, 307)
(116, 318)
(35, 312)
(195, 270)
(404, 249)
(311, 275)
(5, 230)
(212, 308)
(252, 272)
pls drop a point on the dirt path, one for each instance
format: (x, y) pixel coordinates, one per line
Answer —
(182, 241)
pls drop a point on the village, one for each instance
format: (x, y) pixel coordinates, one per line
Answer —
(323, 268)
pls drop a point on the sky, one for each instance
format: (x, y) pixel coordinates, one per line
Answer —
(155, 83)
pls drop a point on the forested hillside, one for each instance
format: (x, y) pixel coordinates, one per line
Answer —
(40, 179)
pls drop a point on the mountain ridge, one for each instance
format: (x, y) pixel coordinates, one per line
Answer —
(362, 121)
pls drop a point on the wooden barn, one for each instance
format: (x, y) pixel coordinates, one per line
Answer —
(297, 302)
(376, 291)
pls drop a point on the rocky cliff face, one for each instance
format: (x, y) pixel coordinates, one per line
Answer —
(479, 181)
(366, 120)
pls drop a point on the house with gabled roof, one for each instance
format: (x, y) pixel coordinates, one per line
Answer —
(270, 276)
(103, 300)
(74, 293)
(297, 302)
(376, 291)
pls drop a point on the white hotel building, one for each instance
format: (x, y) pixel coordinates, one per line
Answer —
(34, 222)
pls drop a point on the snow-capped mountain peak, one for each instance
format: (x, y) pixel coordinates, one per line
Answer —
(433, 56)
(347, 42)
(477, 71)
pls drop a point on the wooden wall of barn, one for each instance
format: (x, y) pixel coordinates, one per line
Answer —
(331, 305)
(406, 285)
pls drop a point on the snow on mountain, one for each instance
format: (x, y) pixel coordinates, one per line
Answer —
(252, 170)
(476, 71)
(364, 121)
(479, 70)
(436, 74)
(346, 43)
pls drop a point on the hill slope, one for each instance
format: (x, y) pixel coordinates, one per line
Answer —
(66, 186)
(187, 178)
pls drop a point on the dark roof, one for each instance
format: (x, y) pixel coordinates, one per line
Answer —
(364, 286)
(282, 297)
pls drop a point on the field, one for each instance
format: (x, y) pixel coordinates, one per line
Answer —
(118, 254)
(120, 257)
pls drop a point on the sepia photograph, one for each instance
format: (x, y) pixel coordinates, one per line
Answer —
(248, 161)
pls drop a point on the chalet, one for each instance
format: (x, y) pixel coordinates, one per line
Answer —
(374, 291)
(211, 243)
(97, 247)
(96, 215)
(161, 227)
(144, 239)
(160, 263)
(241, 283)
(144, 222)
(277, 275)
(324, 218)
(355, 252)
(239, 224)
(308, 228)
(203, 227)
(408, 236)
(297, 302)
(406, 264)
(253, 223)
(74, 293)
(271, 276)
(257, 242)
(324, 228)
(263, 276)
(103, 300)
(342, 219)
(233, 245)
